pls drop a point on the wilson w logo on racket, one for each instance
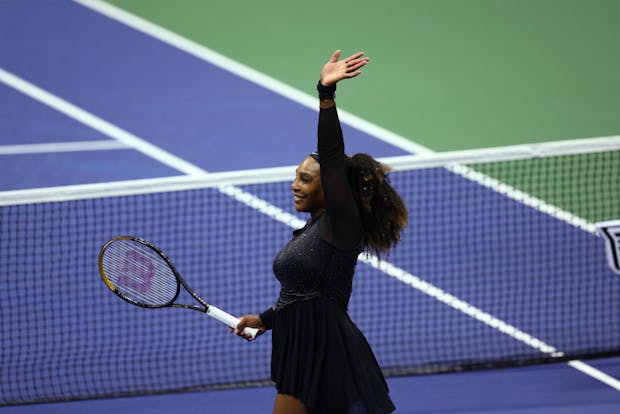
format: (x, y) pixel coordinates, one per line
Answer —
(138, 271)
(142, 275)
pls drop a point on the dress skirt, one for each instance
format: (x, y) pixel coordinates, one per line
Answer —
(320, 357)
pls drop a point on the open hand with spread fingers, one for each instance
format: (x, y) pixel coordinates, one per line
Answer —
(335, 70)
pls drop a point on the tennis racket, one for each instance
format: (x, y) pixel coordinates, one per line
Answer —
(141, 274)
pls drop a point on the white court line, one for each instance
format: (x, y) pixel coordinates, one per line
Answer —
(97, 123)
(407, 278)
(282, 216)
(429, 289)
(266, 208)
(269, 83)
(595, 373)
(244, 72)
(101, 145)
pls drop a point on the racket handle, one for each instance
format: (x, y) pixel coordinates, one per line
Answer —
(228, 319)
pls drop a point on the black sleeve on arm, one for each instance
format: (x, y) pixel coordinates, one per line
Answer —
(343, 226)
(267, 318)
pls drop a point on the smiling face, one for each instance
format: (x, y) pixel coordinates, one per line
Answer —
(307, 188)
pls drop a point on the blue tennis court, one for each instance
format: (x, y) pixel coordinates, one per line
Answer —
(92, 103)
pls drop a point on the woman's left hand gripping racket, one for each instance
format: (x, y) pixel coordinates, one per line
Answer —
(141, 274)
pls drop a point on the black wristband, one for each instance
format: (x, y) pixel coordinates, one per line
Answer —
(267, 318)
(326, 92)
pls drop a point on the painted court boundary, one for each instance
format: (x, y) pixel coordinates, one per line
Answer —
(284, 217)
(99, 145)
(243, 71)
(195, 174)
(304, 99)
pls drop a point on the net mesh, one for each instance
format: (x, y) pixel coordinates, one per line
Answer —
(499, 266)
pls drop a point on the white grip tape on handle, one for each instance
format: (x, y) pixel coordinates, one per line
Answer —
(228, 319)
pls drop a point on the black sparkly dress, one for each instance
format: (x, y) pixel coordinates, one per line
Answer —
(318, 354)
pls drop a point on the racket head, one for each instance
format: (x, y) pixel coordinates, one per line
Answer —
(138, 272)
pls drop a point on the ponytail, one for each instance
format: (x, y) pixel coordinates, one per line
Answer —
(382, 210)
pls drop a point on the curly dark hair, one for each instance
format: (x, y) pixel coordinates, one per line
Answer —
(382, 210)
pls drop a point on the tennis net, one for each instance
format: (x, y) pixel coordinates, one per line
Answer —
(500, 266)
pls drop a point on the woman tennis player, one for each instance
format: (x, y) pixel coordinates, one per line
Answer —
(321, 362)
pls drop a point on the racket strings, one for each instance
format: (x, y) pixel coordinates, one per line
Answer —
(139, 273)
